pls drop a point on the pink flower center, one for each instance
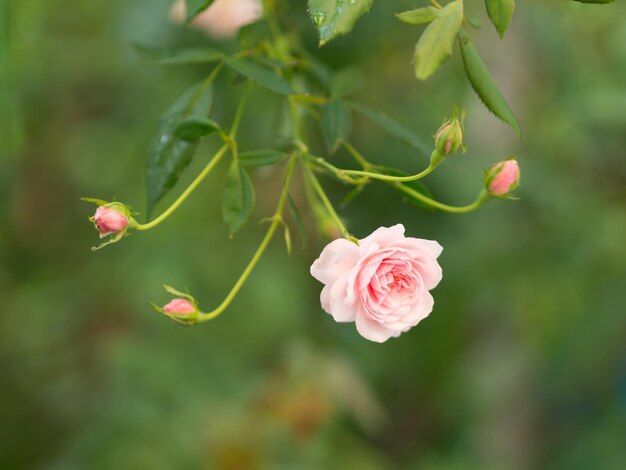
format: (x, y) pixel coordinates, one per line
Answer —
(392, 290)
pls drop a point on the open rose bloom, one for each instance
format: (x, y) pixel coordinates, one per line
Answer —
(382, 284)
(224, 18)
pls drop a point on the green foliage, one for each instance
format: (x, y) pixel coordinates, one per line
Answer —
(595, 1)
(500, 12)
(336, 17)
(484, 84)
(260, 157)
(238, 197)
(435, 44)
(419, 15)
(194, 128)
(195, 7)
(259, 74)
(297, 218)
(336, 123)
(166, 56)
(170, 154)
(392, 127)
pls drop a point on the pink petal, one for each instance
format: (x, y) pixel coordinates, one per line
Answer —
(336, 259)
(372, 330)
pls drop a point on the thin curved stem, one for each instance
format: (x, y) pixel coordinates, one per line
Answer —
(346, 175)
(276, 221)
(483, 197)
(327, 204)
(358, 157)
(232, 134)
(194, 184)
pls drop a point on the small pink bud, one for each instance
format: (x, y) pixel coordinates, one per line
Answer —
(449, 137)
(109, 221)
(503, 177)
(180, 307)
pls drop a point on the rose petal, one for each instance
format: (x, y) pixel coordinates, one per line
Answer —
(382, 236)
(338, 257)
(372, 330)
(340, 309)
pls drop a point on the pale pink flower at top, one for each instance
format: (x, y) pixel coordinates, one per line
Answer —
(179, 307)
(382, 284)
(109, 221)
(503, 178)
(224, 18)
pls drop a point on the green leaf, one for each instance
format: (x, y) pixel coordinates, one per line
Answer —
(336, 123)
(193, 129)
(169, 154)
(347, 81)
(297, 218)
(260, 157)
(261, 75)
(252, 34)
(336, 17)
(393, 127)
(484, 84)
(194, 55)
(418, 16)
(595, 1)
(195, 7)
(435, 44)
(500, 12)
(238, 198)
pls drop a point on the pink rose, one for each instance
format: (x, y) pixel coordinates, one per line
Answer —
(179, 307)
(503, 177)
(109, 221)
(224, 18)
(382, 284)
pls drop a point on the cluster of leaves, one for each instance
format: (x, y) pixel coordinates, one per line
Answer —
(189, 119)
(444, 28)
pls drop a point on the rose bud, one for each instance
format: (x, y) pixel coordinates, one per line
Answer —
(111, 218)
(502, 178)
(382, 284)
(108, 220)
(182, 309)
(449, 137)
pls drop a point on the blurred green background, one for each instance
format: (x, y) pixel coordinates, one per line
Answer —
(521, 365)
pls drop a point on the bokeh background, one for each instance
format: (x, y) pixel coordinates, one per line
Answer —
(521, 365)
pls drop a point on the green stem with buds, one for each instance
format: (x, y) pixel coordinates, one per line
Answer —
(277, 220)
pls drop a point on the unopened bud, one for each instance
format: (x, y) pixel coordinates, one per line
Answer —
(109, 220)
(182, 309)
(502, 178)
(449, 137)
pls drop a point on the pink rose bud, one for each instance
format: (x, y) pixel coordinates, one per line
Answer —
(502, 178)
(382, 284)
(449, 137)
(109, 220)
(180, 307)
